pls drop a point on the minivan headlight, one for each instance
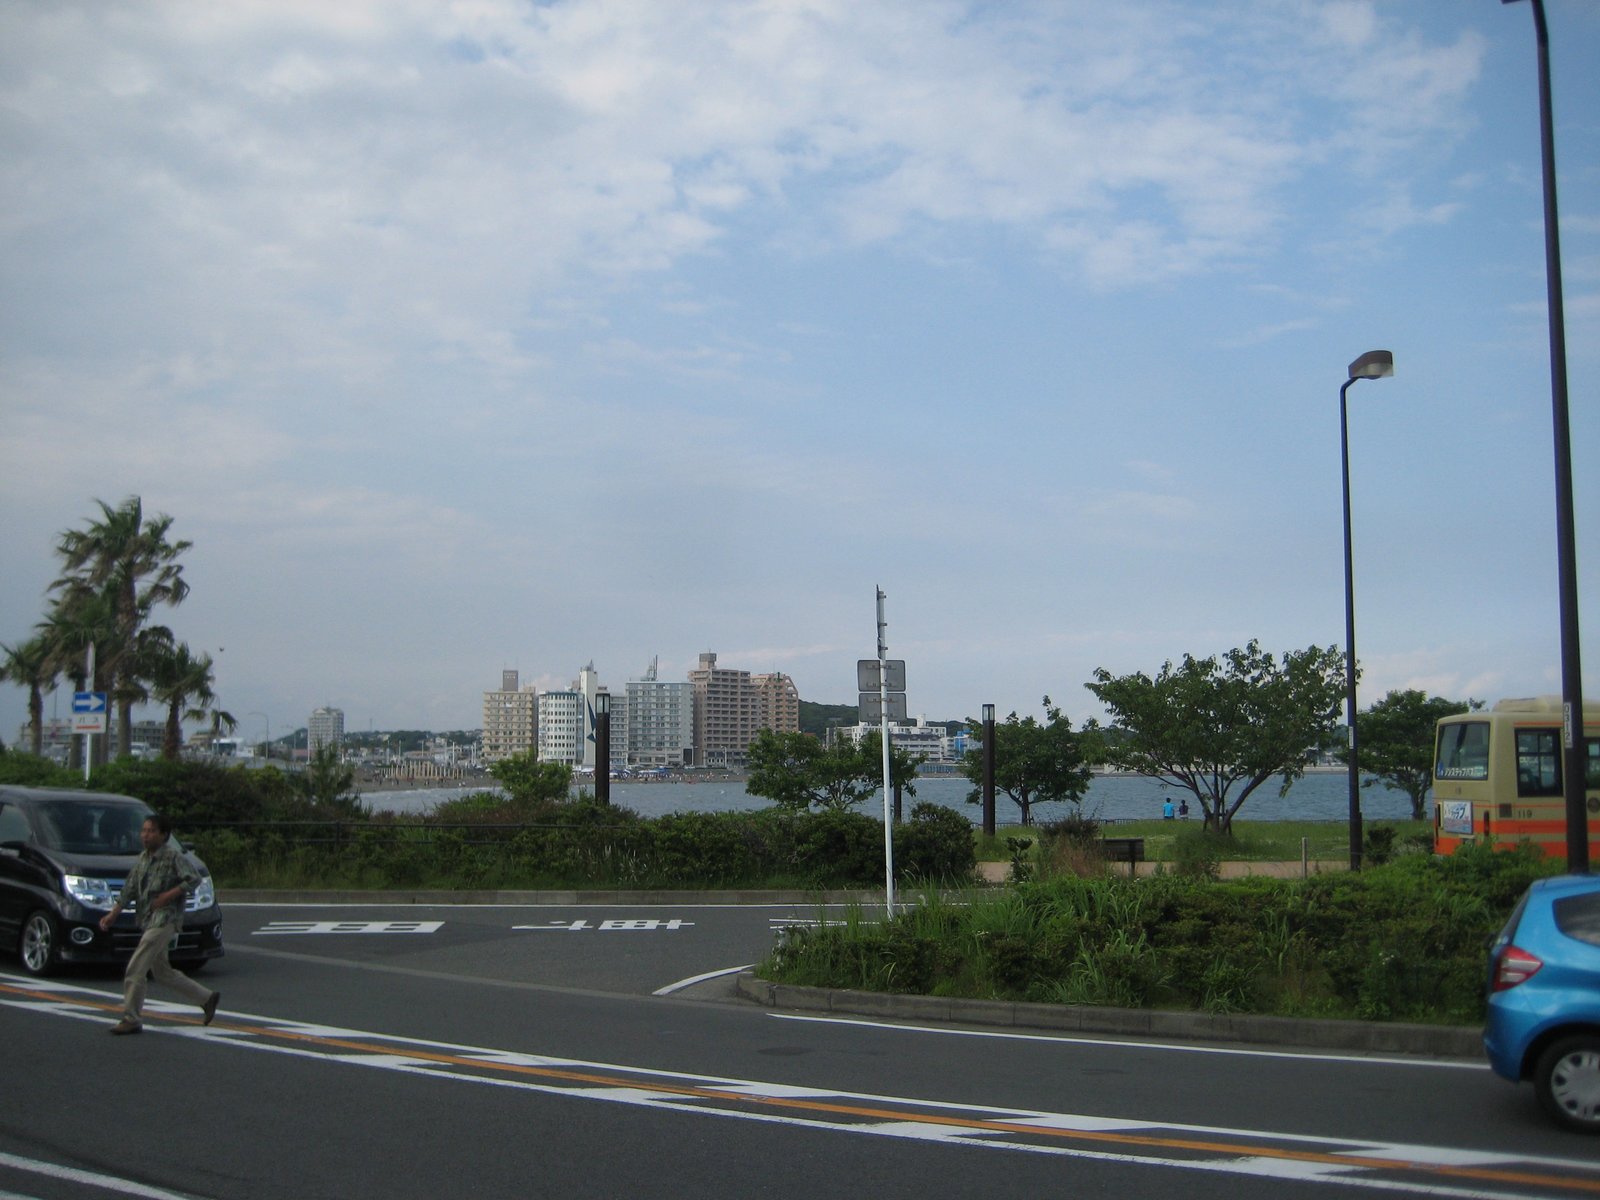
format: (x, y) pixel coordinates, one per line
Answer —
(91, 892)
(204, 896)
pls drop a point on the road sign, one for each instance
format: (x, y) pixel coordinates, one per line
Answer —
(872, 710)
(88, 712)
(867, 674)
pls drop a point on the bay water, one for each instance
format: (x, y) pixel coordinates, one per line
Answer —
(1316, 796)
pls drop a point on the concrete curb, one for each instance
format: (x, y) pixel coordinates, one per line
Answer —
(1432, 1041)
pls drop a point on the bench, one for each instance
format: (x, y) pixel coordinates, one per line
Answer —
(1123, 849)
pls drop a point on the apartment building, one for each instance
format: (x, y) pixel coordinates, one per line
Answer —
(562, 727)
(510, 719)
(659, 730)
(325, 728)
(731, 707)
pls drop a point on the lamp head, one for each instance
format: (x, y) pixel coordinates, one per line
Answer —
(988, 712)
(1374, 364)
(602, 704)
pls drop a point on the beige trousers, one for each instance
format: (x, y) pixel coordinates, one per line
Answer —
(150, 958)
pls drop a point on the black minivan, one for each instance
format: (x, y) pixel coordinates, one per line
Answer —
(63, 857)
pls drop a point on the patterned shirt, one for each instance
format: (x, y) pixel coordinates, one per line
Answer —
(157, 871)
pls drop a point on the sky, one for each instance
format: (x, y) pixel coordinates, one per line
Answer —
(486, 335)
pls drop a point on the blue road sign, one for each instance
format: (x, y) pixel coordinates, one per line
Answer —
(88, 702)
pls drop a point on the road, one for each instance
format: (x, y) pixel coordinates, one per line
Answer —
(593, 1051)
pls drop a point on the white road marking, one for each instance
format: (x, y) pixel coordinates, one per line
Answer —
(637, 925)
(1451, 1064)
(357, 927)
(694, 979)
(109, 1183)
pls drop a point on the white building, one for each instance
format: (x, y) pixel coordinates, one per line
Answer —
(927, 741)
(659, 723)
(325, 728)
(562, 727)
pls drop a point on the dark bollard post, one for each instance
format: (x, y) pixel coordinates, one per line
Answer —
(897, 804)
(988, 770)
(602, 748)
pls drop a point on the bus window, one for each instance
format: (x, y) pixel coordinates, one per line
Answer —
(1538, 762)
(1463, 751)
(1592, 767)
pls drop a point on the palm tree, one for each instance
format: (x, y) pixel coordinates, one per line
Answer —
(78, 622)
(128, 559)
(30, 664)
(183, 683)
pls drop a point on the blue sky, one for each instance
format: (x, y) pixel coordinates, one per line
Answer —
(461, 337)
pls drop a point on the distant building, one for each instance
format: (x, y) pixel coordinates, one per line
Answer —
(930, 742)
(561, 727)
(510, 719)
(659, 729)
(325, 728)
(731, 707)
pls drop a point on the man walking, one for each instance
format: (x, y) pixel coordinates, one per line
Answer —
(156, 887)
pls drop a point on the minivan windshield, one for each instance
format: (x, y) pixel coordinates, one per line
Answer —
(90, 826)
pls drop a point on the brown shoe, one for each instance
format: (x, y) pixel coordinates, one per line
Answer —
(210, 1007)
(125, 1026)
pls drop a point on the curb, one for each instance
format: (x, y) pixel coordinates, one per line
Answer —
(1433, 1041)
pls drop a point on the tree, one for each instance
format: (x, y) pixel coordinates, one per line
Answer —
(183, 683)
(77, 621)
(1207, 725)
(797, 771)
(902, 766)
(30, 664)
(531, 782)
(129, 561)
(327, 783)
(1396, 742)
(1035, 763)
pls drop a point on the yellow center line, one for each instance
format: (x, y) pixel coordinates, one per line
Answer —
(1230, 1149)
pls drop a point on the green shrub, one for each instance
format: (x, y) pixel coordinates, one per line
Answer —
(935, 845)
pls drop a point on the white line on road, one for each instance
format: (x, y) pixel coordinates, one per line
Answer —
(109, 1183)
(1454, 1064)
(694, 979)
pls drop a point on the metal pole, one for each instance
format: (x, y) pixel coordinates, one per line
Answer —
(88, 738)
(1350, 640)
(988, 770)
(883, 716)
(1574, 785)
(602, 750)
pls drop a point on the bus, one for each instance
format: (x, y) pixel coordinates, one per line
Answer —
(1498, 774)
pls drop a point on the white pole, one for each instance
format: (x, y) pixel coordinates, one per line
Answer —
(883, 716)
(88, 738)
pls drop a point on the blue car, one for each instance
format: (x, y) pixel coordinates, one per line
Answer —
(1544, 998)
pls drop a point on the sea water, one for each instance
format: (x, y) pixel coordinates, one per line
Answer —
(1316, 796)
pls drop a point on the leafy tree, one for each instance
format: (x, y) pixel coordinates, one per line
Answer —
(1209, 724)
(902, 764)
(31, 665)
(130, 562)
(531, 782)
(1396, 742)
(798, 772)
(1034, 762)
(76, 621)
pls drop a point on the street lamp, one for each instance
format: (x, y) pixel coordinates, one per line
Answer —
(1374, 364)
(988, 770)
(602, 747)
(1574, 766)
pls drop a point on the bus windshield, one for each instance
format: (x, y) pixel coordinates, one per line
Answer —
(1463, 751)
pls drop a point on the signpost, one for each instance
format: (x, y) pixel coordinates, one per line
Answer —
(886, 677)
(88, 718)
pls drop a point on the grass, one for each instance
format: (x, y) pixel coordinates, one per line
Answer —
(1252, 841)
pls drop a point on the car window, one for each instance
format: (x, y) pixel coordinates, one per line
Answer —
(1579, 917)
(91, 827)
(13, 824)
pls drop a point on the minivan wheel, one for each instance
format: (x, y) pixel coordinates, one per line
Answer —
(1567, 1080)
(39, 946)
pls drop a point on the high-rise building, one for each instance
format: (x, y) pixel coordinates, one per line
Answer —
(660, 723)
(731, 707)
(510, 719)
(325, 728)
(561, 727)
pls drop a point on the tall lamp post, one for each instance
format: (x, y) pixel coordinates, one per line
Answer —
(1573, 756)
(602, 747)
(1374, 364)
(988, 770)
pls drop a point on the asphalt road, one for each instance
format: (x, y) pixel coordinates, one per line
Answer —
(596, 1051)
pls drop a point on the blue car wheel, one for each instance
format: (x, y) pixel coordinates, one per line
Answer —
(1567, 1079)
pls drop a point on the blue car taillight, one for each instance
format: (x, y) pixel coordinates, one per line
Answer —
(1514, 966)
